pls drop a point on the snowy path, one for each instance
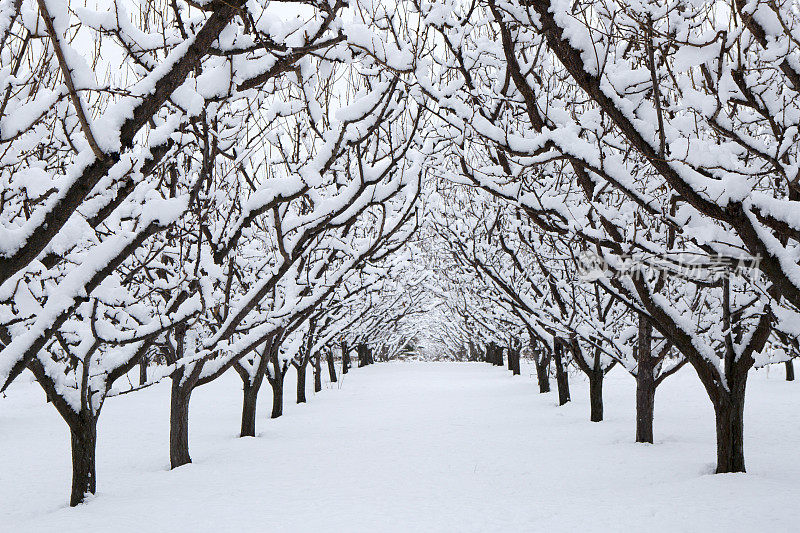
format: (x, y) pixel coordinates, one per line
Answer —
(409, 447)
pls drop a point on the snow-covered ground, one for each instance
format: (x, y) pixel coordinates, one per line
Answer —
(410, 447)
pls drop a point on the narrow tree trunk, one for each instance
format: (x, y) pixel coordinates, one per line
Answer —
(729, 415)
(542, 372)
(142, 371)
(510, 359)
(83, 434)
(645, 384)
(317, 372)
(562, 379)
(179, 424)
(361, 355)
(596, 396)
(345, 357)
(277, 396)
(250, 397)
(645, 405)
(473, 352)
(301, 383)
(517, 370)
(789, 370)
(331, 367)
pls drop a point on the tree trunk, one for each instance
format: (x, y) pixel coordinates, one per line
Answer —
(301, 383)
(473, 352)
(596, 395)
(562, 379)
(645, 384)
(249, 410)
(789, 370)
(142, 371)
(516, 369)
(317, 372)
(497, 355)
(542, 372)
(362, 357)
(729, 414)
(331, 367)
(83, 434)
(179, 424)
(645, 405)
(345, 358)
(277, 396)
(510, 359)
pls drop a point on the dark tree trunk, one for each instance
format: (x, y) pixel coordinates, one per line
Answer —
(345, 358)
(789, 370)
(179, 424)
(729, 415)
(729, 418)
(317, 372)
(562, 379)
(142, 371)
(250, 398)
(542, 362)
(362, 357)
(83, 434)
(645, 405)
(473, 352)
(596, 395)
(497, 355)
(277, 396)
(510, 359)
(301, 383)
(645, 384)
(331, 367)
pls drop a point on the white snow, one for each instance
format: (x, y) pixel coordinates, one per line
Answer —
(410, 447)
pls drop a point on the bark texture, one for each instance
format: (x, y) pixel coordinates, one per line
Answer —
(179, 424)
(331, 367)
(729, 418)
(596, 396)
(277, 396)
(562, 379)
(142, 371)
(249, 399)
(542, 362)
(301, 382)
(317, 372)
(645, 384)
(345, 358)
(83, 437)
